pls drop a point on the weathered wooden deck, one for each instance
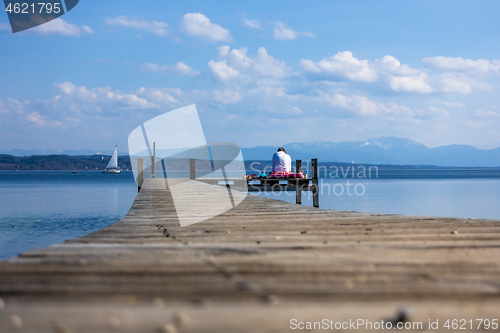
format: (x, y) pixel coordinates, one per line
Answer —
(253, 269)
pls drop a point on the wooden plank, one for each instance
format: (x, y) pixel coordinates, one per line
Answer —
(263, 262)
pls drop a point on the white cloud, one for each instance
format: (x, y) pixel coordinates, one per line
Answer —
(391, 65)
(436, 111)
(36, 118)
(221, 70)
(198, 25)
(66, 87)
(365, 107)
(342, 66)
(179, 68)
(87, 29)
(39, 120)
(237, 63)
(11, 105)
(184, 69)
(59, 26)
(160, 96)
(252, 24)
(151, 67)
(486, 114)
(452, 85)
(227, 96)
(447, 104)
(410, 83)
(101, 96)
(156, 27)
(452, 82)
(282, 31)
(461, 64)
(310, 34)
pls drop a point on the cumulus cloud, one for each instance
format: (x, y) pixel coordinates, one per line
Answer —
(283, 32)
(343, 65)
(180, 68)
(252, 24)
(39, 120)
(453, 82)
(461, 64)
(237, 63)
(410, 83)
(366, 107)
(59, 26)
(156, 27)
(102, 96)
(391, 65)
(221, 70)
(198, 25)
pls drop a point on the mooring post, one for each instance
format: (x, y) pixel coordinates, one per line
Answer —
(298, 191)
(153, 162)
(192, 168)
(314, 167)
(140, 173)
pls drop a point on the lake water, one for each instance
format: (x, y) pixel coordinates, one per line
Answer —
(40, 208)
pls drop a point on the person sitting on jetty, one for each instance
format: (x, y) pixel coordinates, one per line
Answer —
(282, 162)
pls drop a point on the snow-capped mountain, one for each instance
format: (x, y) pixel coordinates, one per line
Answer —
(384, 150)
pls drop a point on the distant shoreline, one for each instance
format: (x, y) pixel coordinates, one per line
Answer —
(99, 162)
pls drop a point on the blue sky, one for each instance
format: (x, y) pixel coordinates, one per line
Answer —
(259, 72)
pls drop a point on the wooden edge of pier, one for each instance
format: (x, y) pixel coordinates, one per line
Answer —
(261, 266)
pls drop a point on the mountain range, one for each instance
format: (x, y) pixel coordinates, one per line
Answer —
(384, 150)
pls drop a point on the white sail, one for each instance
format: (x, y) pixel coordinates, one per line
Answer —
(113, 162)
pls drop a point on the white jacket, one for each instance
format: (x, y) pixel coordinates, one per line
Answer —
(282, 162)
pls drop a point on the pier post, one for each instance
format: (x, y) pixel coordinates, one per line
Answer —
(192, 168)
(298, 191)
(140, 173)
(314, 169)
(153, 162)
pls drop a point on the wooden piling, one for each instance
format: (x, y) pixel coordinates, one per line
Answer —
(153, 163)
(192, 168)
(314, 169)
(140, 173)
(298, 191)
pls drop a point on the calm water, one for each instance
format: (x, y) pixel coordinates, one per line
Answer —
(468, 198)
(40, 208)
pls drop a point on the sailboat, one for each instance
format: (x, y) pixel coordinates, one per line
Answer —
(112, 167)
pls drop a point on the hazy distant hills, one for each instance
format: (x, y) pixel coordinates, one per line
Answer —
(59, 162)
(73, 152)
(385, 150)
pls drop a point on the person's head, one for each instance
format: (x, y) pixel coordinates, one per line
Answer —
(282, 149)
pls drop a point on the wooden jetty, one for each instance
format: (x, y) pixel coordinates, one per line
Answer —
(263, 266)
